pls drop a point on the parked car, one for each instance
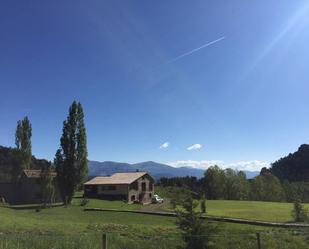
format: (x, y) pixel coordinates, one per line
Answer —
(157, 199)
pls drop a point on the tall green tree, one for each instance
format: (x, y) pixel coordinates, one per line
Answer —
(47, 186)
(23, 136)
(214, 182)
(267, 187)
(236, 186)
(71, 159)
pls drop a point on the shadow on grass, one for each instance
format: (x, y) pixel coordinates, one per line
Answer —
(32, 206)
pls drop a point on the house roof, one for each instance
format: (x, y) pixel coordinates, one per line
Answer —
(117, 178)
(36, 173)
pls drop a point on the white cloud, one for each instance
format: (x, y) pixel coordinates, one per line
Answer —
(164, 145)
(254, 165)
(194, 164)
(194, 147)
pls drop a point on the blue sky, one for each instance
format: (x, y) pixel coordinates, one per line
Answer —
(243, 99)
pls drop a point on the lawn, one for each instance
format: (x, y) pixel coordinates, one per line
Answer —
(253, 210)
(72, 227)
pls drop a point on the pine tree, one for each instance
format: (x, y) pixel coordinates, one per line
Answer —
(196, 231)
(71, 160)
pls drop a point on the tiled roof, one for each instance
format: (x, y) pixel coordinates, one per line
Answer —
(36, 173)
(117, 178)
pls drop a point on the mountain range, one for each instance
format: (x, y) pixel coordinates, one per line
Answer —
(157, 170)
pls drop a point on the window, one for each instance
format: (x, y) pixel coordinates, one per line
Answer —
(134, 186)
(111, 188)
(144, 186)
(150, 186)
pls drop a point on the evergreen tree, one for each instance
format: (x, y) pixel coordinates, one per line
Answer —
(196, 231)
(23, 136)
(71, 159)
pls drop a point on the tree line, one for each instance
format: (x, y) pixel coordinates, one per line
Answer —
(70, 162)
(230, 184)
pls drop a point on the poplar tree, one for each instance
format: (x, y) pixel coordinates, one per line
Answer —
(71, 159)
(47, 186)
(23, 136)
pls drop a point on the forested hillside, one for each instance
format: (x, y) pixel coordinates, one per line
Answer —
(294, 167)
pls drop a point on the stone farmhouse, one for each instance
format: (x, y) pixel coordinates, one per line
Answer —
(131, 187)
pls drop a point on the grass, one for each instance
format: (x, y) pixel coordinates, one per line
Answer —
(72, 220)
(252, 210)
(72, 228)
(93, 203)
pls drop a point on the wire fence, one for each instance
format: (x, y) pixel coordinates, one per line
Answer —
(263, 240)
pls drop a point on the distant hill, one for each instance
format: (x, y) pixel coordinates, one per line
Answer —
(294, 167)
(157, 170)
(251, 174)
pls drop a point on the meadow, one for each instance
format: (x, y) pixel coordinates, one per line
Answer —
(72, 227)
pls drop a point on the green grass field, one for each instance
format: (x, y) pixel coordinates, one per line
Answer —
(72, 227)
(252, 210)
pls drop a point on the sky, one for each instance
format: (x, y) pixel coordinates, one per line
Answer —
(179, 82)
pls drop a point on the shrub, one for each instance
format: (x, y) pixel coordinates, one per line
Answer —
(299, 213)
(203, 206)
(84, 202)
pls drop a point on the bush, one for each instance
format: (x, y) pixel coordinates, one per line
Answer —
(84, 202)
(203, 206)
(2, 201)
(299, 213)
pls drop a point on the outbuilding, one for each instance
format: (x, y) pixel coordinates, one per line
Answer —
(27, 190)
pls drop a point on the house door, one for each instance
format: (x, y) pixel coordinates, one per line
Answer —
(94, 189)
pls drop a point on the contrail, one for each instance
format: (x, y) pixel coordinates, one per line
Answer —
(195, 50)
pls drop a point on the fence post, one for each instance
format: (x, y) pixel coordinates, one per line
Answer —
(258, 239)
(104, 241)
